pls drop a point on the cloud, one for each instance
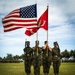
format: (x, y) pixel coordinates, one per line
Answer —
(61, 25)
(8, 5)
(63, 10)
(56, 17)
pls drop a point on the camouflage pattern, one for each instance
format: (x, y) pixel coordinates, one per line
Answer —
(56, 59)
(46, 60)
(36, 62)
(28, 52)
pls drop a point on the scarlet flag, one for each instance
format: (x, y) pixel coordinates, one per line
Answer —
(31, 31)
(42, 23)
(44, 20)
(19, 18)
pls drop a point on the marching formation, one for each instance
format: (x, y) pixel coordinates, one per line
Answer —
(26, 17)
(44, 56)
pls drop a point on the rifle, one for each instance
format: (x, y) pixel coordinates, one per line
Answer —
(58, 45)
(58, 48)
(25, 46)
(25, 43)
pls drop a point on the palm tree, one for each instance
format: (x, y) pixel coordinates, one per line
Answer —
(71, 53)
(16, 57)
(74, 54)
(9, 57)
(65, 53)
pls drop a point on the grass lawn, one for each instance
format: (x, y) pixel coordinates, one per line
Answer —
(18, 69)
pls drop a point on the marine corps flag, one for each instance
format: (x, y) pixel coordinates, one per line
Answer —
(31, 31)
(42, 23)
(43, 20)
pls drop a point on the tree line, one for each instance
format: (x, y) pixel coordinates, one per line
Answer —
(68, 54)
(18, 58)
(11, 59)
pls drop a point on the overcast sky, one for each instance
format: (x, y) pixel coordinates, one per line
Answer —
(61, 25)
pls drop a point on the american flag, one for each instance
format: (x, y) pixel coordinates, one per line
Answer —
(20, 18)
(42, 23)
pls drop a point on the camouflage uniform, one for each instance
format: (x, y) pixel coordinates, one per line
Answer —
(28, 52)
(46, 60)
(56, 58)
(37, 59)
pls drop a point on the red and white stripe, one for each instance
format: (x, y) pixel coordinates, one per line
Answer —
(13, 21)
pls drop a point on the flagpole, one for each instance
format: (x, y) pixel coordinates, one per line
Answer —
(47, 34)
(25, 42)
(37, 38)
(37, 42)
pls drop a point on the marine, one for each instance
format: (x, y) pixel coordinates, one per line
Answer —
(37, 56)
(47, 58)
(56, 58)
(28, 54)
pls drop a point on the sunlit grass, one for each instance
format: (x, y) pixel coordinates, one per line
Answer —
(18, 69)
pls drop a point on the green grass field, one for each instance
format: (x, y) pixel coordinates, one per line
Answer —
(18, 69)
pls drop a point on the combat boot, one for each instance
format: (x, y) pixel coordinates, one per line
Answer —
(36, 74)
(29, 74)
(47, 74)
(44, 73)
(55, 74)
